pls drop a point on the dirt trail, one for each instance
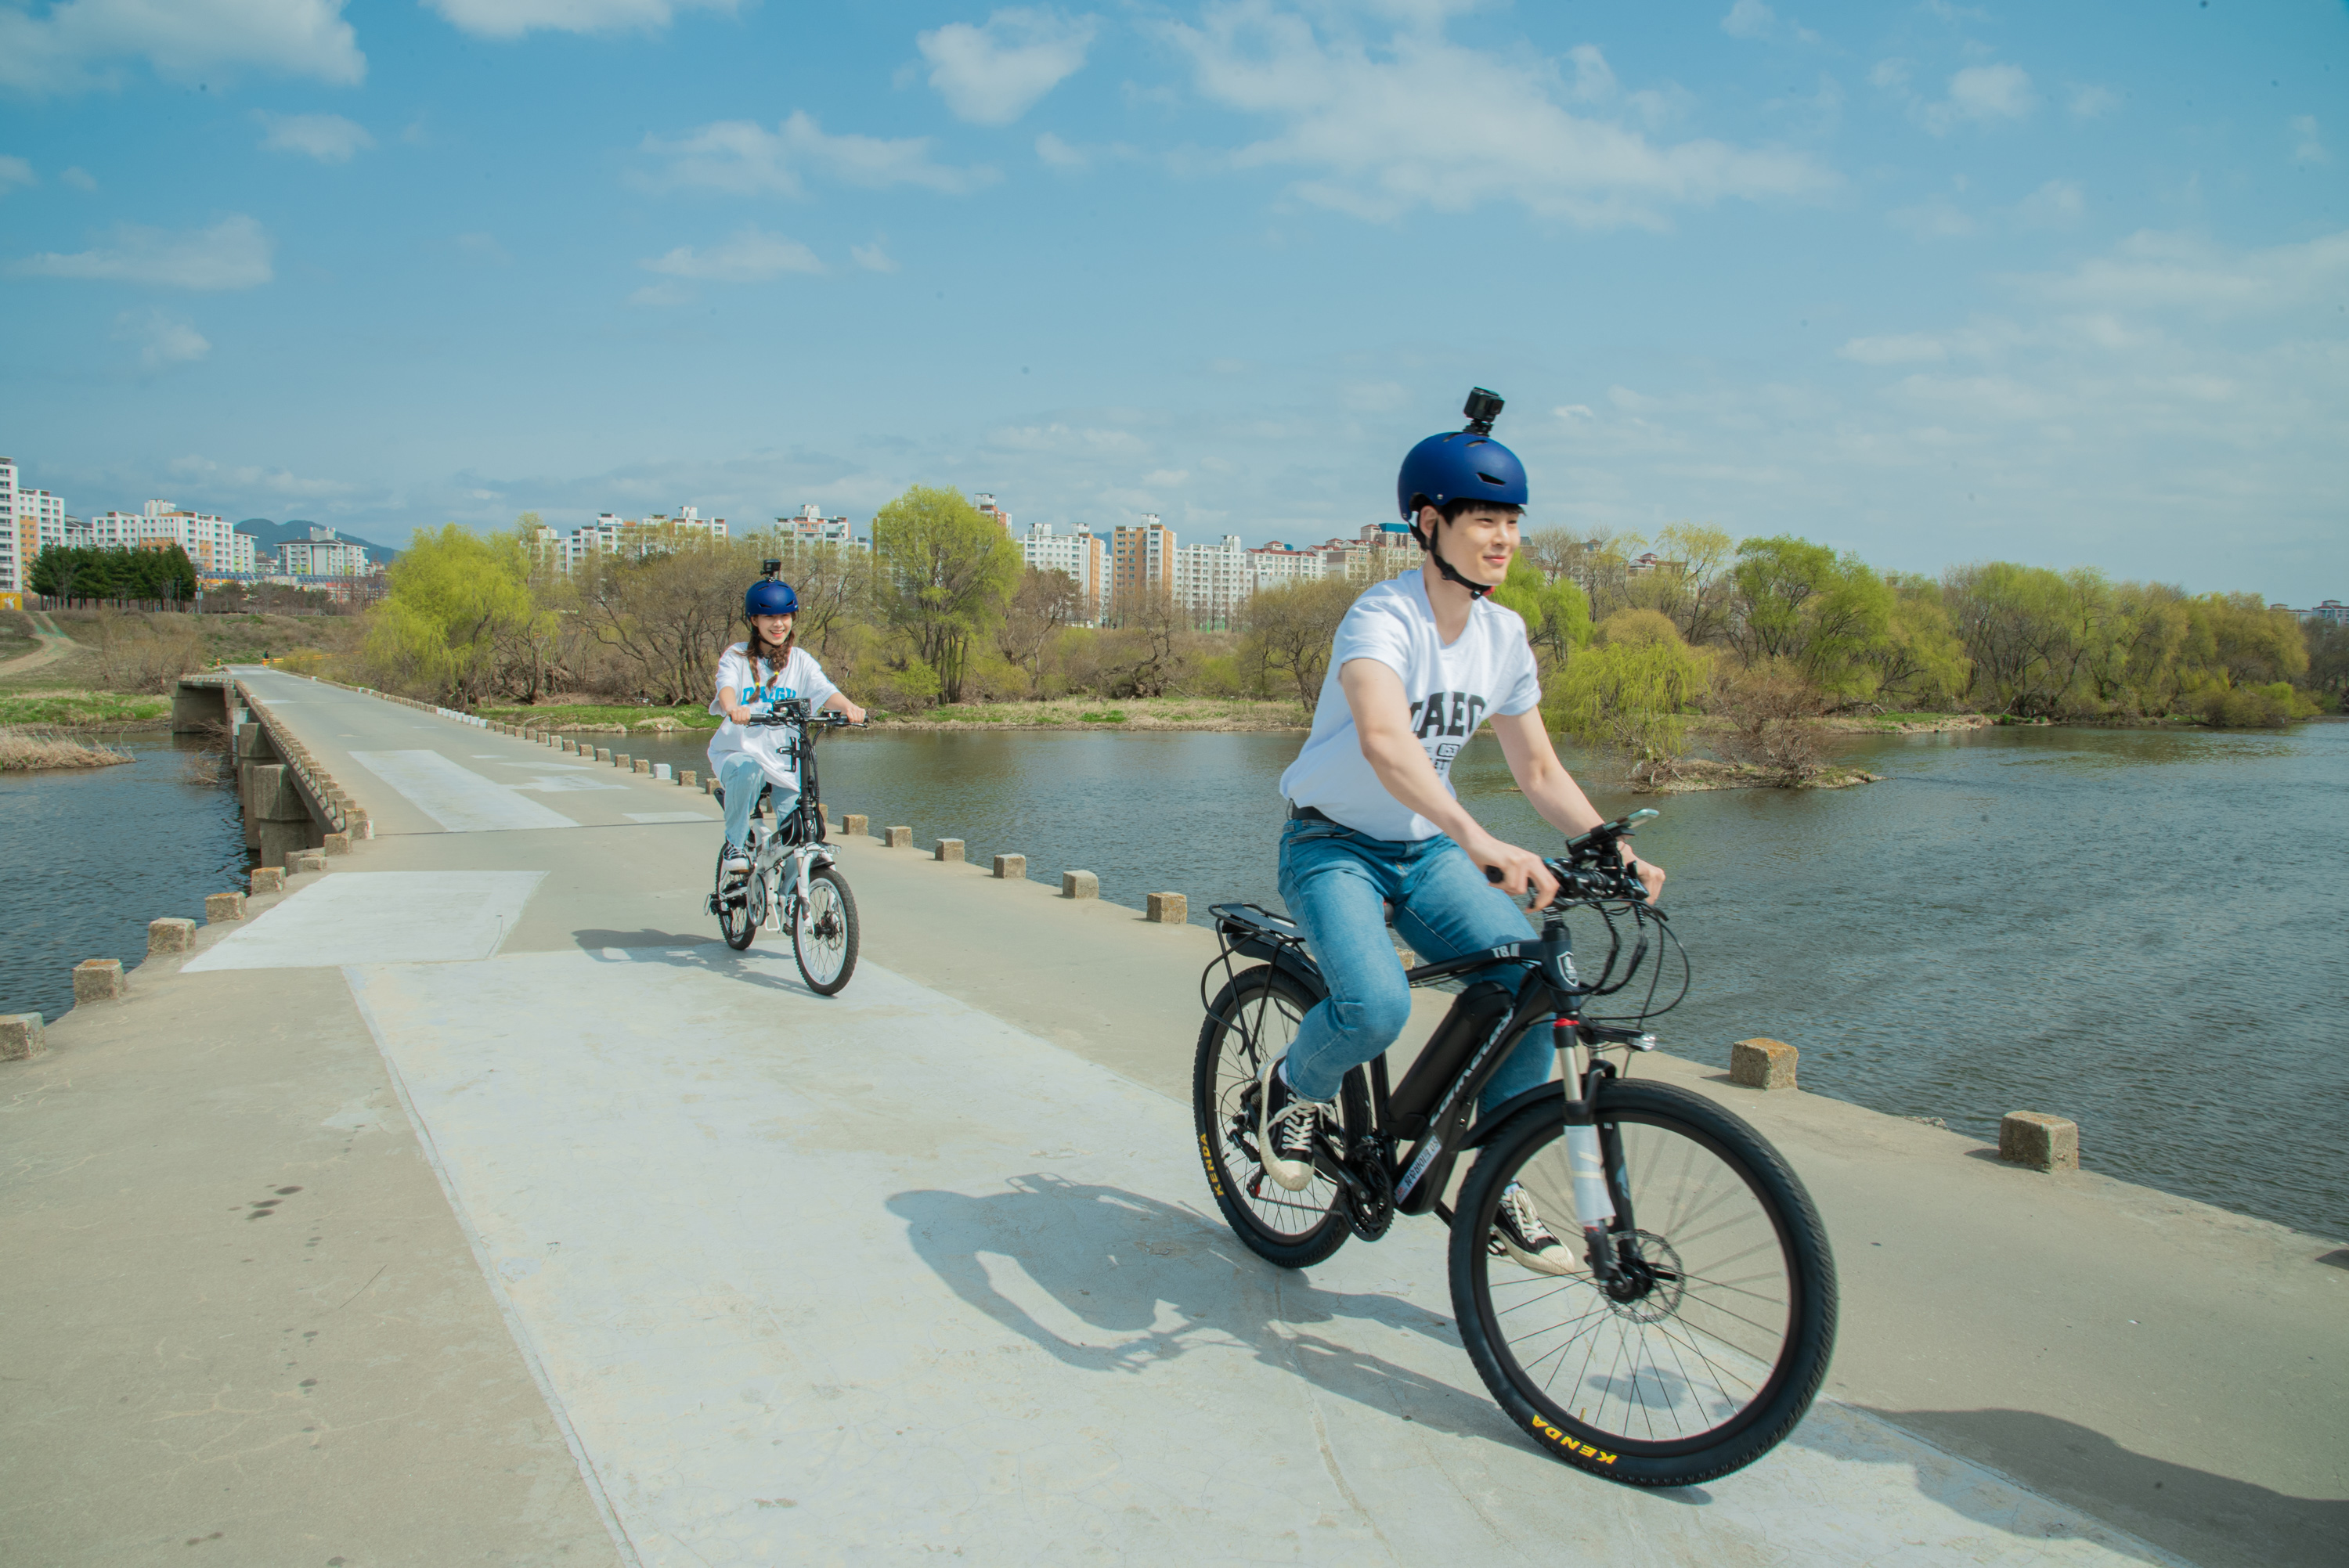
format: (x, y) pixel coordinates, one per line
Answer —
(55, 645)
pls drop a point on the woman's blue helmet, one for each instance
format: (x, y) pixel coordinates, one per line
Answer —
(769, 596)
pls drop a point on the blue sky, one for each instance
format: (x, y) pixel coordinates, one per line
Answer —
(1935, 284)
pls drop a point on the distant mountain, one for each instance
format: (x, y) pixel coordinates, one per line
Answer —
(270, 535)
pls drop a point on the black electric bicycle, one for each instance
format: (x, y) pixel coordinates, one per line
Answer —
(1688, 1332)
(792, 880)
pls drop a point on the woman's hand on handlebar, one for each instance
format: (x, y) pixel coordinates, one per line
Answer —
(854, 714)
(1512, 870)
(1652, 876)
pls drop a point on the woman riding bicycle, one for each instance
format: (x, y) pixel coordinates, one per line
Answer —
(769, 667)
(1416, 665)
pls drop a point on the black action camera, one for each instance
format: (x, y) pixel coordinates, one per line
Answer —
(768, 568)
(1482, 408)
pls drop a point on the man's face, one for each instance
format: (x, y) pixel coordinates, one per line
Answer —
(1478, 543)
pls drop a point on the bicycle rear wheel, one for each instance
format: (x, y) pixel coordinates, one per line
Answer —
(1711, 1347)
(823, 937)
(1254, 1019)
(737, 922)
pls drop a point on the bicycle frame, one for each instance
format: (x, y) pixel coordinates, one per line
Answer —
(802, 836)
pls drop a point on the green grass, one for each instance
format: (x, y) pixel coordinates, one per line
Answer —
(66, 709)
(1114, 716)
(565, 715)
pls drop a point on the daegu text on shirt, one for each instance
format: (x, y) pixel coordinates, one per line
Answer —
(1448, 713)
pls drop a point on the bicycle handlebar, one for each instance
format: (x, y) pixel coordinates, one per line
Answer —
(820, 720)
(1591, 868)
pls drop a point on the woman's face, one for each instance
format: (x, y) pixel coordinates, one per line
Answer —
(773, 628)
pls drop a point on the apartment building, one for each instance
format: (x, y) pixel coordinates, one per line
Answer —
(985, 504)
(810, 526)
(1210, 581)
(215, 546)
(1140, 559)
(30, 522)
(15, 560)
(323, 555)
(611, 534)
(1082, 554)
(1275, 565)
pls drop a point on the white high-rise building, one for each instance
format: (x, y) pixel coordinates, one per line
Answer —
(15, 561)
(323, 555)
(1208, 581)
(985, 504)
(1275, 565)
(810, 526)
(215, 547)
(611, 534)
(30, 522)
(1082, 554)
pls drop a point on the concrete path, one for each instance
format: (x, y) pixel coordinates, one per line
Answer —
(929, 1266)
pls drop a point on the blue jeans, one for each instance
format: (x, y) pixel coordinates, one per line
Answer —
(739, 776)
(1334, 881)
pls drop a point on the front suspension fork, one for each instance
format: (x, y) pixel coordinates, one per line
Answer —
(1594, 1154)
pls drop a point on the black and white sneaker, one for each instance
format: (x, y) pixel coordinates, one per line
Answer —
(737, 861)
(1286, 1127)
(1519, 1231)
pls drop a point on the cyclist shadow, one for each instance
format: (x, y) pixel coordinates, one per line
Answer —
(1117, 1266)
(706, 954)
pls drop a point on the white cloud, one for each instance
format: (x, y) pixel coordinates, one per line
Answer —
(79, 178)
(2312, 147)
(512, 19)
(72, 47)
(233, 253)
(873, 258)
(16, 171)
(1889, 74)
(163, 340)
(1749, 19)
(1059, 153)
(745, 158)
(659, 296)
(1980, 94)
(2094, 102)
(1421, 121)
(483, 247)
(2150, 272)
(749, 257)
(329, 138)
(2054, 205)
(992, 75)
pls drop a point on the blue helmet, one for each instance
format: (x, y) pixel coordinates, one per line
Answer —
(1458, 465)
(769, 596)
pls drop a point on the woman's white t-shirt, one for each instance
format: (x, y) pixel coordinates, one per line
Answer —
(1490, 670)
(758, 689)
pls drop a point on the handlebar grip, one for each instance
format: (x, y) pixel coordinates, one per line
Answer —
(1492, 875)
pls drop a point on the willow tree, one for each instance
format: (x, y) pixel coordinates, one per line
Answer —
(944, 571)
(1626, 694)
(453, 597)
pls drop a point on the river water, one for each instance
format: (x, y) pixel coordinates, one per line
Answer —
(88, 857)
(2140, 930)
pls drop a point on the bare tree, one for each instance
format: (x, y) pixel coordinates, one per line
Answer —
(1287, 631)
(1042, 603)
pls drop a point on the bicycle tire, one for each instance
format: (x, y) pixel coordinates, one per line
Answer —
(1687, 1163)
(826, 956)
(735, 921)
(1257, 1011)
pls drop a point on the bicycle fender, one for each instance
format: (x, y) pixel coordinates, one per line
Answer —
(1285, 957)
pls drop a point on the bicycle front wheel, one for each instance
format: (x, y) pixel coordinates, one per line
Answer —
(1709, 1346)
(823, 937)
(1254, 1020)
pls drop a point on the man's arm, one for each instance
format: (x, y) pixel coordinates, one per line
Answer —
(1551, 790)
(1374, 695)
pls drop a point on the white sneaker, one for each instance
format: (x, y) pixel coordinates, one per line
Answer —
(1286, 1126)
(736, 862)
(1518, 1231)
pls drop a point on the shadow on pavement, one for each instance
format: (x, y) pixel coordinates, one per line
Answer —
(708, 954)
(2211, 1519)
(1121, 1265)
(593, 940)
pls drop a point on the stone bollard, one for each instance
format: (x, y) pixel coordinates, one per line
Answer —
(98, 980)
(301, 862)
(268, 879)
(622, 759)
(358, 824)
(221, 906)
(1011, 868)
(709, 785)
(857, 822)
(603, 754)
(1167, 908)
(949, 850)
(20, 1037)
(169, 935)
(2041, 1143)
(640, 765)
(1762, 1064)
(1080, 885)
(688, 778)
(897, 837)
(336, 844)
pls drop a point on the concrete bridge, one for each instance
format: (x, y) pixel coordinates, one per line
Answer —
(463, 1200)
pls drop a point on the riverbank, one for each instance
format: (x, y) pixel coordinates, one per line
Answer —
(1692, 774)
(24, 752)
(1218, 714)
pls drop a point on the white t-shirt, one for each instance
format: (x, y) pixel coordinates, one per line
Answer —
(758, 690)
(1490, 670)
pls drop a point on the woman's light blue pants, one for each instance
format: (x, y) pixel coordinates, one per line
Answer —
(739, 776)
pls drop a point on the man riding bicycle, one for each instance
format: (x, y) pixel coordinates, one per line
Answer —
(1416, 665)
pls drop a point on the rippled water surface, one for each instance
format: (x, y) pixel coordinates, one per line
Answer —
(88, 857)
(2140, 930)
